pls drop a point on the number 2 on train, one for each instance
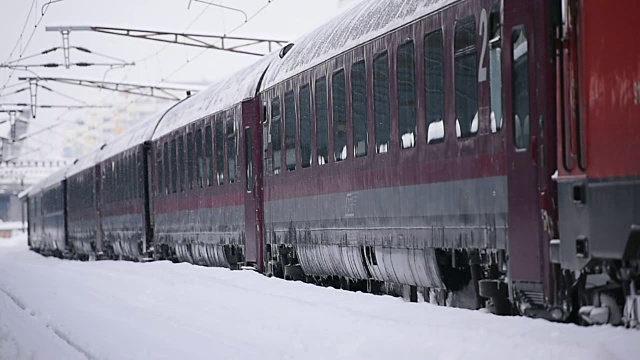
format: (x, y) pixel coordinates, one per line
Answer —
(484, 32)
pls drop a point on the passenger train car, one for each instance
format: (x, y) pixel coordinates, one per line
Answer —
(482, 153)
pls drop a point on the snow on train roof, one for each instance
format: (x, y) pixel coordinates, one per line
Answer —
(83, 163)
(220, 96)
(359, 24)
(134, 136)
(54, 178)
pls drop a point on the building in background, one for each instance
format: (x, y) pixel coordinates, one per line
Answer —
(343, 3)
(97, 126)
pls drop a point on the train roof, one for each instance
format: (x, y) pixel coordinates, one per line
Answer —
(84, 163)
(220, 96)
(51, 180)
(358, 25)
(136, 135)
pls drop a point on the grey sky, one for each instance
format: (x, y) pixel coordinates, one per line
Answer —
(155, 62)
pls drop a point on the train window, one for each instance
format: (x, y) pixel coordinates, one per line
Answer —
(266, 136)
(276, 140)
(232, 150)
(181, 163)
(434, 85)
(322, 121)
(382, 105)
(219, 144)
(208, 150)
(406, 95)
(159, 166)
(466, 77)
(174, 166)
(520, 86)
(305, 125)
(248, 155)
(167, 170)
(199, 158)
(290, 130)
(190, 159)
(339, 111)
(359, 108)
(130, 177)
(495, 70)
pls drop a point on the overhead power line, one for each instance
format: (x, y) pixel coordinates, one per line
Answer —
(156, 91)
(208, 41)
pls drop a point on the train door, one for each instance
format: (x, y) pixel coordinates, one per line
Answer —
(253, 192)
(521, 114)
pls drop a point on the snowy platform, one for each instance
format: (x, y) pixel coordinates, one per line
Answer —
(56, 309)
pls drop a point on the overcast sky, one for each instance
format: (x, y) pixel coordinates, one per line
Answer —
(155, 62)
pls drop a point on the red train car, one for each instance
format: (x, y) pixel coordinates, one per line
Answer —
(598, 157)
(390, 160)
(206, 183)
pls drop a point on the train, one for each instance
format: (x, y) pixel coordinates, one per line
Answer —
(472, 153)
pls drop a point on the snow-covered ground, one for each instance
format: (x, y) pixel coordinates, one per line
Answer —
(56, 309)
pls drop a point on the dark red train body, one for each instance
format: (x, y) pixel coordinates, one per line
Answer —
(480, 152)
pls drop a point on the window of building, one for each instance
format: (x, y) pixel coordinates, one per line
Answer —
(406, 95)
(520, 79)
(208, 150)
(495, 70)
(276, 139)
(232, 150)
(219, 144)
(174, 166)
(466, 77)
(359, 108)
(382, 103)
(339, 111)
(322, 121)
(305, 125)
(290, 130)
(434, 84)
(199, 158)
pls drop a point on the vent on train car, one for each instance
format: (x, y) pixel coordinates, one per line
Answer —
(285, 50)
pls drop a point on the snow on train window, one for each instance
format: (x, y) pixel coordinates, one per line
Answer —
(382, 104)
(359, 108)
(190, 158)
(322, 121)
(466, 77)
(495, 70)
(199, 158)
(434, 85)
(305, 125)
(219, 144)
(276, 140)
(174, 166)
(290, 130)
(520, 86)
(181, 162)
(406, 95)
(232, 150)
(208, 151)
(339, 112)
